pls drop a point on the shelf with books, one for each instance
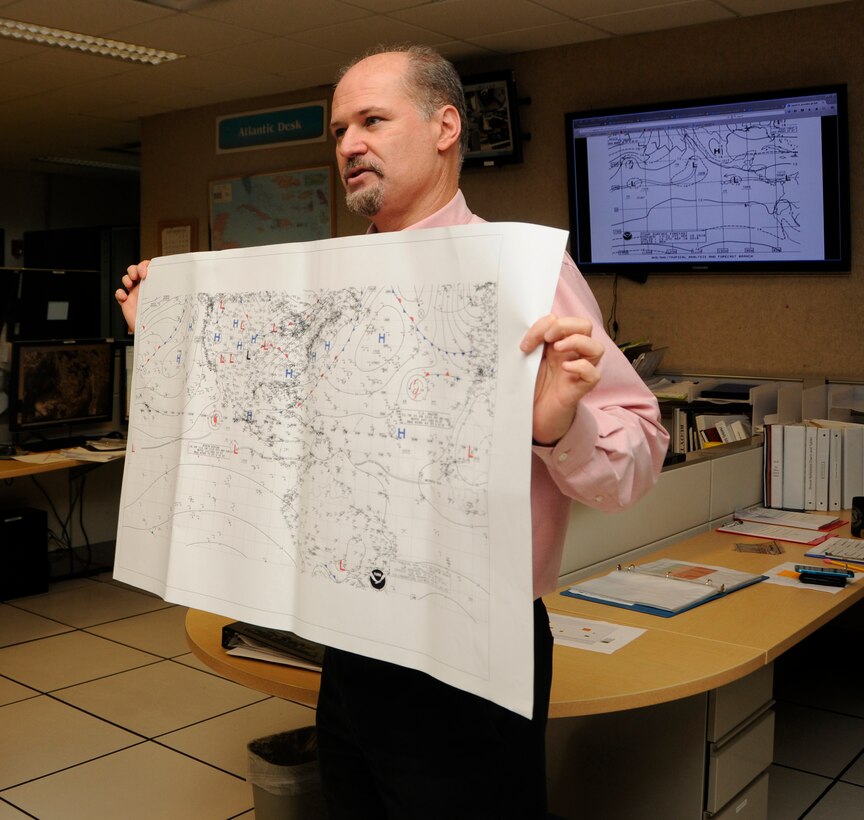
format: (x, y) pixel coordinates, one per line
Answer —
(707, 411)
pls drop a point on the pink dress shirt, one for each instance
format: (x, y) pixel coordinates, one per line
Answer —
(613, 452)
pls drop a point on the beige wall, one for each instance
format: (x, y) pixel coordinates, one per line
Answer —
(779, 325)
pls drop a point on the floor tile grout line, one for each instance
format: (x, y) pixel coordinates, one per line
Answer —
(157, 739)
(17, 808)
(196, 759)
(72, 766)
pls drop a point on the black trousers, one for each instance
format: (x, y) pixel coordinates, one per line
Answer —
(395, 743)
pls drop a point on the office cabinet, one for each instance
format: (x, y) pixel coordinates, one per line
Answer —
(698, 758)
(751, 804)
(740, 737)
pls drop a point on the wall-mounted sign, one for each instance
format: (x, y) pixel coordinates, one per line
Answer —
(272, 127)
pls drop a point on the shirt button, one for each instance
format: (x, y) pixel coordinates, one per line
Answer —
(598, 498)
(563, 457)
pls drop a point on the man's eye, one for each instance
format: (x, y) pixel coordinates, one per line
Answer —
(338, 133)
(373, 120)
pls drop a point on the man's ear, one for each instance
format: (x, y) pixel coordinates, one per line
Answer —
(451, 127)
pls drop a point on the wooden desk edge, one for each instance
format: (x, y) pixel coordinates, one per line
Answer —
(203, 634)
(652, 697)
(12, 468)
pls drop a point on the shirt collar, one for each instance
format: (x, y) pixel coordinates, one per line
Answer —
(455, 212)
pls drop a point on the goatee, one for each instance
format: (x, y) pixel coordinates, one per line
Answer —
(365, 203)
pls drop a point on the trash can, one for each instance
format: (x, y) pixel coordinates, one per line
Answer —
(283, 771)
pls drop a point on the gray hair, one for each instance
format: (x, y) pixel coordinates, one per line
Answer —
(431, 82)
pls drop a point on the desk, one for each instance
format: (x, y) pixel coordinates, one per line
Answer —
(57, 488)
(668, 676)
(12, 468)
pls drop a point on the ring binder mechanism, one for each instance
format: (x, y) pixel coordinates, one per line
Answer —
(668, 574)
(656, 589)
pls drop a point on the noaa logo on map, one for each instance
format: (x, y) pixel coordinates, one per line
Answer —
(377, 578)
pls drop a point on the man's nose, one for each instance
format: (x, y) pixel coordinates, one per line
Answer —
(351, 143)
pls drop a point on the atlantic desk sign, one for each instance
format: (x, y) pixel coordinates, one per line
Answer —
(272, 127)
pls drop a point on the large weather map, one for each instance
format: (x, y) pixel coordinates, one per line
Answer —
(713, 191)
(267, 209)
(318, 442)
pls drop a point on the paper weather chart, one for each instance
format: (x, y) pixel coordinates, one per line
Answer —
(333, 437)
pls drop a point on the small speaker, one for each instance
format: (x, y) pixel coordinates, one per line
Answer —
(23, 553)
(857, 515)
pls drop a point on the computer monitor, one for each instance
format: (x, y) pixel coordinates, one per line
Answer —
(56, 384)
(53, 304)
(751, 183)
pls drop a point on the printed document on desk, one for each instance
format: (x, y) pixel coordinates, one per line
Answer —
(330, 438)
(595, 636)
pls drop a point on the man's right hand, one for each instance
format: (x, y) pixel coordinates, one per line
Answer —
(127, 296)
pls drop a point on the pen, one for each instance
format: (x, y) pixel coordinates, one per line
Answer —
(845, 565)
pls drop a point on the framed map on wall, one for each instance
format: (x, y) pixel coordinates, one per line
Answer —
(266, 209)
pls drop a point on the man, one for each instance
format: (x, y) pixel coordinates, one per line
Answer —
(393, 742)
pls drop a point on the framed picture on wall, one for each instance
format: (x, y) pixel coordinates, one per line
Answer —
(494, 137)
(269, 208)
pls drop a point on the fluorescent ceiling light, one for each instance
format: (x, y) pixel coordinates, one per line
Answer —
(89, 163)
(43, 35)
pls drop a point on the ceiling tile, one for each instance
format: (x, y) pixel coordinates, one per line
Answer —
(193, 72)
(386, 6)
(186, 34)
(750, 7)
(354, 38)
(579, 9)
(509, 42)
(90, 17)
(669, 15)
(280, 17)
(474, 18)
(279, 55)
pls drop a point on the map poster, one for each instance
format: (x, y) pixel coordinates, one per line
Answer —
(333, 438)
(270, 209)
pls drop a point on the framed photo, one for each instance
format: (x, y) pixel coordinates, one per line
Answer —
(267, 209)
(494, 137)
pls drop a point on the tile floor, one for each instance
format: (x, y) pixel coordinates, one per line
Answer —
(105, 713)
(818, 769)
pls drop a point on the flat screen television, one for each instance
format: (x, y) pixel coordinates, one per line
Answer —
(60, 384)
(755, 183)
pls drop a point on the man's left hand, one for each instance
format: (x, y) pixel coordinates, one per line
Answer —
(568, 371)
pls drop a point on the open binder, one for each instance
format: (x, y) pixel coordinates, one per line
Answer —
(274, 645)
(664, 587)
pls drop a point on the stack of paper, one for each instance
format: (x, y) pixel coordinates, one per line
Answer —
(782, 525)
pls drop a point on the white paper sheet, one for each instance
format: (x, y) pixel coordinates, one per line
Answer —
(595, 636)
(333, 438)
